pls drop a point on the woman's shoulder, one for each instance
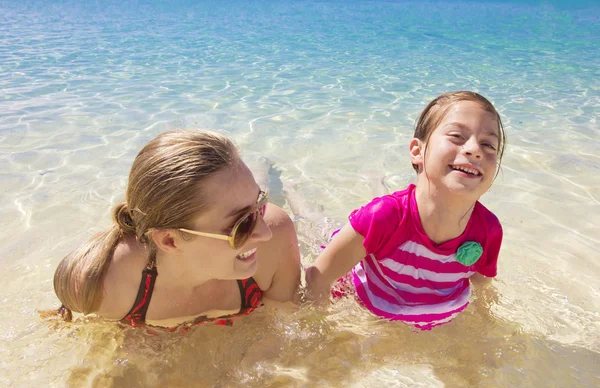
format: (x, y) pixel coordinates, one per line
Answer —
(282, 227)
(277, 218)
(280, 256)
(121, 282)
(282, 241)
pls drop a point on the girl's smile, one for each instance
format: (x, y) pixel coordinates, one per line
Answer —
(461, 153)
(468, 169)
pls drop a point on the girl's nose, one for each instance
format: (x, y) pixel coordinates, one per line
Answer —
(472, 147)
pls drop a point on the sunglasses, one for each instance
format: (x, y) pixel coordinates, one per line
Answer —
(243, 228)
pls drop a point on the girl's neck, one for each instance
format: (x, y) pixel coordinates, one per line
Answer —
(444, 215)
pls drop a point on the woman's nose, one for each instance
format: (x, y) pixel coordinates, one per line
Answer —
(261, 232)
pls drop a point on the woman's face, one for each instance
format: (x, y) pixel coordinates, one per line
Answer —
(230, 194)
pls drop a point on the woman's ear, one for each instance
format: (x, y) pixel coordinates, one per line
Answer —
(416, 149)
(165, 240)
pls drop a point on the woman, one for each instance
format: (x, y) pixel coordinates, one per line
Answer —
(194, 241)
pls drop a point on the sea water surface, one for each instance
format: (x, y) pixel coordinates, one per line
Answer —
(328, 91)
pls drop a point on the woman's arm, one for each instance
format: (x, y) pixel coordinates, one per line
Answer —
(278, 271)
(343, 252)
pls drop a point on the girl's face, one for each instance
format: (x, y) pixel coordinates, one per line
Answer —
(462, 152)
(232, 193)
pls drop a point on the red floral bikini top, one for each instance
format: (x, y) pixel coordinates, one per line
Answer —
(250, 293)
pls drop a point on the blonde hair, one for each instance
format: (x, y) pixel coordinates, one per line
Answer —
(164, 184)
(436, 110)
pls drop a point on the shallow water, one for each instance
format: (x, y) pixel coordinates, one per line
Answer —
(329, 92)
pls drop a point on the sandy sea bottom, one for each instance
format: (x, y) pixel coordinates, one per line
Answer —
(329, 93)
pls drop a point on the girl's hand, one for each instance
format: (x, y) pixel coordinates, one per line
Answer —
(343, 252)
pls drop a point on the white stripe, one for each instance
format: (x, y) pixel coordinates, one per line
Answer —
(422, 290)
(419, 273)
(438, 322)
(377, 302)
(421, 250)
(376, 265)
(360, 271)
(407, 287)
(390, 308)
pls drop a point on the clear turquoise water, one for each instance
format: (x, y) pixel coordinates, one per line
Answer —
(329, 91)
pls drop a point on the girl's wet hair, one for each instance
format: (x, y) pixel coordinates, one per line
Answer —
(436, 110)
(165, 190)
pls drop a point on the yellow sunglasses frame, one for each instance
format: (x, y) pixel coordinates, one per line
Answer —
(263, 199)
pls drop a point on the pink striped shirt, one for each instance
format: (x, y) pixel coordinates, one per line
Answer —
(406, 276)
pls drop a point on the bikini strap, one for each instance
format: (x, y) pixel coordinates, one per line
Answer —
(137, 314)
(151, 262)
(250, 293)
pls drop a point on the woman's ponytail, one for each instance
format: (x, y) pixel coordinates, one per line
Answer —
(123, 219)
(79, 276)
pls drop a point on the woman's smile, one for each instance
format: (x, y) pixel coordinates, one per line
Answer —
(247, 256)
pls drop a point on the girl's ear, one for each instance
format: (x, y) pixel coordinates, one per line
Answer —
(416, 149)
(165, 240)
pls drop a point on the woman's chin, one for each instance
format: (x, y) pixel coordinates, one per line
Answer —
(246, 267)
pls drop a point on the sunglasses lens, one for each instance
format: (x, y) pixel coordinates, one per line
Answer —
(246, 226)
(263, 209)
(244, 229)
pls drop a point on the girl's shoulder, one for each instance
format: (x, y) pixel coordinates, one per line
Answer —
(392, 204)
(401, 197)
(485, 217)
(383, 216)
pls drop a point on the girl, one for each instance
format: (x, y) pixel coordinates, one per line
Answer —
(194, 241)
(411, 254)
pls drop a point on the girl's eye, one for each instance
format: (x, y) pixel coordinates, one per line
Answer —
(489, 145)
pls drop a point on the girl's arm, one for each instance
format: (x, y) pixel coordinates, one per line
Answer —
(343, 252)
(479, 279)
